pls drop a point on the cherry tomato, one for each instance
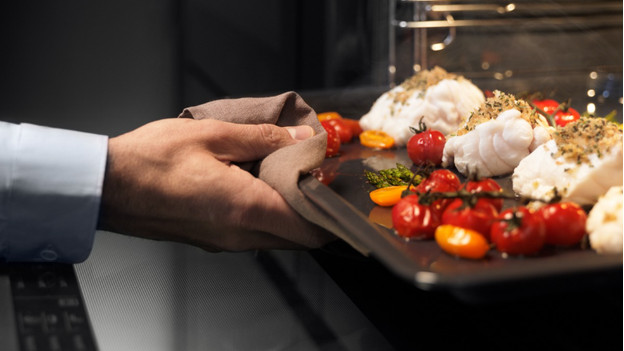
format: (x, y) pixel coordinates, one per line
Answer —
(344, 132)
(461, 242)
(376, 139)
(426, 147)
(440, 180)
(478, 218)
(564, 117)
(518, 231)
(547, 105)
(486, 184)
(387, 196)
(411, 219)
(333, 140)
(354, 125)
(323, 116)
(565, 223)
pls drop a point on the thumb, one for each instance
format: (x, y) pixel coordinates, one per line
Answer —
(250, 142)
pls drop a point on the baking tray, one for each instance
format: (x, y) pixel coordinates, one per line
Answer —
(341, 191)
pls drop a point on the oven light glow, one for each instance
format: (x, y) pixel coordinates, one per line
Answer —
(437, 46)
(510, 7)
(591, 108)
(591, 93)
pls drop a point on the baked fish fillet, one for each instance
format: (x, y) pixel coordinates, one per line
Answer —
(442, 100)
(496, 137)
(580, 164)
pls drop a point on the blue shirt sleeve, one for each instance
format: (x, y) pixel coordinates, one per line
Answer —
(50, 189)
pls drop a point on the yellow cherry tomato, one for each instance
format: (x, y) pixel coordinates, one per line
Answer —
(387, 196)
(324, 116)
(461, 242)
(376, 139)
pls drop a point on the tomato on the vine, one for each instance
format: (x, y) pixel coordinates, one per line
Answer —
(478, 218)
(333, 140)
(486, 184)
(411, 219)
(344, 132)
(565, 223)
(518, 231)
(566, 116)
(547, 105)
(461, 242)
(563, 115)
(426, 147)
(440, 180)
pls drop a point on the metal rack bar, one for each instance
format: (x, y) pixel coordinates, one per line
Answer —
(533, 15)
(606, 20)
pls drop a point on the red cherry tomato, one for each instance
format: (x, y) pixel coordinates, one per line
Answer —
(440, 180)
(565, 223)
(333, 140)
(486, 184)
(410, 219)
(547, 105)
(564, 117)
(478, 218)
(426, 147)
(518, 231)
(344, 132)
(354, 125)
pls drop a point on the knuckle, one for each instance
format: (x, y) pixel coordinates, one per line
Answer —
(271, 134)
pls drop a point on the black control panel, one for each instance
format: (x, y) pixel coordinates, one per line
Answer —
(48, 308)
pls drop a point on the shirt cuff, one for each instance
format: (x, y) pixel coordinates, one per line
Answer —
(50, 192)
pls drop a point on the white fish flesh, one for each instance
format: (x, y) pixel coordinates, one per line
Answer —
(578, 167)
(496, 143)
(443, 106)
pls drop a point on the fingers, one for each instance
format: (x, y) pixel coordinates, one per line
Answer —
(269, 212)
(250, 142)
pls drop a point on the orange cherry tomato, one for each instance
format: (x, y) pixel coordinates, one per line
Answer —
(458, 241)
(324, 116)
(387, 196)
(376, 139)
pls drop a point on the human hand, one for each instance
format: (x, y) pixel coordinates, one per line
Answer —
(176, 180)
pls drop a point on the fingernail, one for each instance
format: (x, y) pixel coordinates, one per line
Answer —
(300, 132)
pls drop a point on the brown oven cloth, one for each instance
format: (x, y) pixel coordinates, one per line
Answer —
(282, 168)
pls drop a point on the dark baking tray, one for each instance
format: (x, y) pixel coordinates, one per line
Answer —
(341, 191)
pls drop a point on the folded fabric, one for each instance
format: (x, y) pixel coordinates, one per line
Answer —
(282, 168)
